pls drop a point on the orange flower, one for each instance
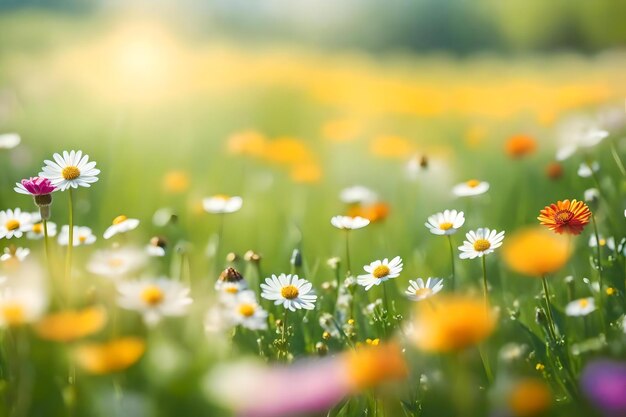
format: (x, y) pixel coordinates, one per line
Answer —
(554, 170)
(565, 216)
(113, 356)
(519, 146)
(70, 325)
(372, 212)
(536, 252)
(288, 150)
(529, 397)
(374, 363)
(452, 323)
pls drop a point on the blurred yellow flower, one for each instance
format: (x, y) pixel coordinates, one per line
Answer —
(475, 135)
(341, 130)
(452, 323)
(247, 142)
(529, 397)
(70, 325)
(393, 147)
(374, 363)
(536, 252)
(113, 356)
(176, 182)
(518, 146)
(288, 150)
(306, 173)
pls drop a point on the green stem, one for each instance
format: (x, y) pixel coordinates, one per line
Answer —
(600, 275)
(70, 246)
(485, 285)
(546, 294)
(283, 337)
(618, 160)
(452, 283)
(348, 269)
(485, 359)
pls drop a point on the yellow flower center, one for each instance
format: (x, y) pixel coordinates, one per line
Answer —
(119, 219)
(70, 172)
(246, 310)
(602, 242)
(610, 291)
(115, 262)
(372, 342)
(232, 289)
(473, 183)
(563, 216)
(12, 225)
(423, 292)
(223, 197)
(381, 271)
(481, 245)
(445, 226)
(13, 314)
(82, 238)
(38, 228)
(583, 303)
(289, 292)
(152, 295)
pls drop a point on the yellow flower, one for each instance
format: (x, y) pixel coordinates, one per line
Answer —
(529, 397)
(70, 325)
(113, 356)
(176, 182)
(452, 323)
(248, 142)
(342, 130)
(306, 173)
(372, 364)
(288, 150)
(394, 147)
(536, 252)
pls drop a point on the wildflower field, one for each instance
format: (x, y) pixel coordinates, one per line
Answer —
(208, 227)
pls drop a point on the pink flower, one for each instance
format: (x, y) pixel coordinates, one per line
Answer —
(35, 186)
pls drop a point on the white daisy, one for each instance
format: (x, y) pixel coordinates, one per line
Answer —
(290, 291)
(580, 307)
(222, 204)
(446, 223)
(608, 242)
(114, 263)
(420, 290)
(358, 194)
(470, 188)
(9, 140)
(36, 230)
(591, 195)
(13, 223)
(21, 305)
(585, 170)
(18, 254)
(121, 224)
(154, 298)
(380, 271)
(577, 132)
(73, 169)
(480, 242)
(349, 223)
(244, 310)
(82, 236)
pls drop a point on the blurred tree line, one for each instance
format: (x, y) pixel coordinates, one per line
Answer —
(461, 26)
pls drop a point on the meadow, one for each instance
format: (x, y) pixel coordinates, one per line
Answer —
(215, 154)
